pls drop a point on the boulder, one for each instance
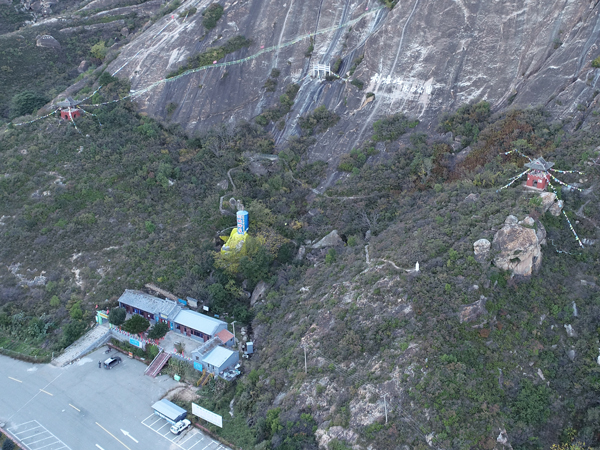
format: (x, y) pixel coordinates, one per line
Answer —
(551, 203)
(570, 331)
(301, 253)
(471, 312)
(556, 208)
(125, 31)
(83, 66)
(223, 184)
(471, 198)
(481, 249)
(258, 293)
(517, 247)
(47, 41)
(333, 239)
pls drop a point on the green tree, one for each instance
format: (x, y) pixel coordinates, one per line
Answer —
(99, 50)
(136, 325)
(76, 312)
(8, 444)
(158, 331)
(26, 102)
(55, 301)
(212, 14)
(72, 332)
(117, 316)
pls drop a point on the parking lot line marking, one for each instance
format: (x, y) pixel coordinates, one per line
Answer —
(26, 423)
(14, 379)
(116, 438)
(155, 421)
(46, 392)
(195, 445)
(99, 447)
(25, 431)
(189, 437)
(74, 407)
(34, 442)
(41, 432)
(47, 445)
(150, 416)
(203, 448)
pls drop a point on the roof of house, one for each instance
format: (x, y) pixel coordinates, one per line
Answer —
(539, 164)
(224, 335)
(68, 103)
(149, 303)
(207, 347)
(169, 409)
(198, 322)
(218, 356)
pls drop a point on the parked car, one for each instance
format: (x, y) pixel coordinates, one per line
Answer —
(112, 362)
(180, 426)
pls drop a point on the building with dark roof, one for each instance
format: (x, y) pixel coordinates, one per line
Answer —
(538, 176)
(152, 308)
(69, 109)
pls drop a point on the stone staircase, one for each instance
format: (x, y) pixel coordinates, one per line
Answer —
(157, 364)
(91, 340)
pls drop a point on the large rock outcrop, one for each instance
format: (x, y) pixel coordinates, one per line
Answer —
(47, 41)
(422, 57)
(517, 246)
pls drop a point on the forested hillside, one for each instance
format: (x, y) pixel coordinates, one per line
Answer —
(455, 354)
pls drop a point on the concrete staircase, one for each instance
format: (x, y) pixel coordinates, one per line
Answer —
(157, 364)
(85, 344)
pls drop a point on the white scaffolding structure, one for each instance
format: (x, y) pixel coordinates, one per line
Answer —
(321, 70)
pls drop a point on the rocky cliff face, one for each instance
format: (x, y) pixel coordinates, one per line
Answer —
(422, 57)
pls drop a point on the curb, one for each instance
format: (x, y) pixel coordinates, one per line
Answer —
(218, 438)
(12, 438)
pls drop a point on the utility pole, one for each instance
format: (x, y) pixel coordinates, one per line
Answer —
(385, 406)
(233, 324)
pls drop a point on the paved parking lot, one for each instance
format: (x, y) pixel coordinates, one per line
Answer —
(34, 436)
(192, 438)
(83, 407)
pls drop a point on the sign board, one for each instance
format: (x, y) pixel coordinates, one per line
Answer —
(101, 314)
(162, 316)
(207, 415)
(135, 342)
(197, 366)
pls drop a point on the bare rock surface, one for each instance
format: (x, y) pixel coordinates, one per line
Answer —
(551, 203)
(83, 66)
(259, 292)
(422, 57)
(471, 312)
(481, 248)
(333, 239)
(47, 41)
(517, 247)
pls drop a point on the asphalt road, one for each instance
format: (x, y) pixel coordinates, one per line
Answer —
(82, 407)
